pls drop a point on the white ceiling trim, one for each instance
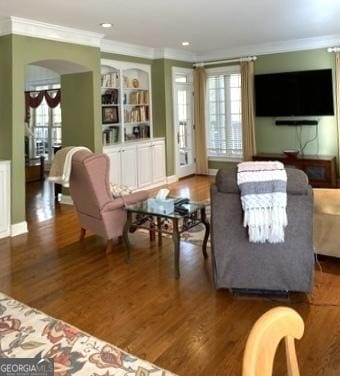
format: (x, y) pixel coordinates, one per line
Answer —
(174, 54)
(5, 27)
(37, 29)
(129, 49)
(273, 47)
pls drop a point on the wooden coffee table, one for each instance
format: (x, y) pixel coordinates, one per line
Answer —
(139, 216)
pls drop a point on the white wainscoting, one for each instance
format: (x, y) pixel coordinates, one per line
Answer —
(5, 199)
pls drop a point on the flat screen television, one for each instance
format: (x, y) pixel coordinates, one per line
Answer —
(305, 93)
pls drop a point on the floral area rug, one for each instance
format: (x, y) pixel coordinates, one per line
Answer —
(195, 235)
(28, 333)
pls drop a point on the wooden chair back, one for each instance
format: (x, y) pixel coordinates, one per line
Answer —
(264, 338)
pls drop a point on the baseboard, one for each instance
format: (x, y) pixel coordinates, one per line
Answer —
(19, 228)
(66, 200)
(212, 171)
(5, 233)
(172, 179)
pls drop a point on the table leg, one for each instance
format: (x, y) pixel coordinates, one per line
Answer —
(159, 230)
(126, 234)
(207, 232)
(176, 241)
(152, 230)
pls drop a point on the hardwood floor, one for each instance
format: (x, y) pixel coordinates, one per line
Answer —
(183, 325)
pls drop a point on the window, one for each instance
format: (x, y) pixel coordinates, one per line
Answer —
(224, 124)
(46, 128)
(181, 78)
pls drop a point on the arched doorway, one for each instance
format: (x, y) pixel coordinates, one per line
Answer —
(50, 126)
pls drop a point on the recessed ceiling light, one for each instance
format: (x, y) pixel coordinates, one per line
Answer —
(185, 43)
(106, 25)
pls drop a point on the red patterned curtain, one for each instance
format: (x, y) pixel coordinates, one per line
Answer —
(33, 99)
(52, 101)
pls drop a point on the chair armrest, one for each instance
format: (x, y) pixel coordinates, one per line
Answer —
(115, 204)
(121, 202)
(133, 198)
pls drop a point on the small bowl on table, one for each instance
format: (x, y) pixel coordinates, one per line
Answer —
(291, 153)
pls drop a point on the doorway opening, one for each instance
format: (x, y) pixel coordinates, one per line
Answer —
(183, 100)
(43, 132)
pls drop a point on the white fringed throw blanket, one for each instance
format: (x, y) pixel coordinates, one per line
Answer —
(60, 171)
(263, 187)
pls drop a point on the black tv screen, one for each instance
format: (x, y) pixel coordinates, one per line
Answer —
(305, 93)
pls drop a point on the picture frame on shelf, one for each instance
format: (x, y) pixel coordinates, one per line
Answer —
(110, 115)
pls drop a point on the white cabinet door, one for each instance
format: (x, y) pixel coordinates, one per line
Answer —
(115, 166)
(158, 157)
(129, 166)
(144, 157)
(5, 199)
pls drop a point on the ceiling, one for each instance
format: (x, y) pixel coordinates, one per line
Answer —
(208, 25)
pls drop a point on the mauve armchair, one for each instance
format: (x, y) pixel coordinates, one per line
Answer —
(90, 190)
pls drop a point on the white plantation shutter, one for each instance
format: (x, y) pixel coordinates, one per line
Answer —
(224, 128)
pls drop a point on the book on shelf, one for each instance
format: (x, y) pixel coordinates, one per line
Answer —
(136, 114)
(144, 131)
(139, 97)
(146, 97)
(110, 80)
(110, 135)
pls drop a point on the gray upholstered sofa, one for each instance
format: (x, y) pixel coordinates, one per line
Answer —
(239, 264)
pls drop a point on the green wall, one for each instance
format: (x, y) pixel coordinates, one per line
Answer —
(216, 165)
(274, 139)
(16, 52)
(158, 98)
(119, 57)
(81, 113)
(162, 106)
(5, 97)
(84, 126)
(78, 111)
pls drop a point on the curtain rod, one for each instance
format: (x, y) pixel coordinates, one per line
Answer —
(237, 60)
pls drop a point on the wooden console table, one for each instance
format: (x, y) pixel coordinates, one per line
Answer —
(321, 170)
(35, 169)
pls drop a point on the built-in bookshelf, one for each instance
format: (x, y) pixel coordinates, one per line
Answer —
(126, 102)
(111, 106)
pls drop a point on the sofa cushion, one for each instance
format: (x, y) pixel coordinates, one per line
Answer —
(226, 181)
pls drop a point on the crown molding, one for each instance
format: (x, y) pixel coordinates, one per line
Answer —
(129, 49)
(174, 54)
(37, 29)
(273, 47)
(191, 57)
(5, 26)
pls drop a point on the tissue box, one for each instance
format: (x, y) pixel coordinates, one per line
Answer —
(166, 206)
